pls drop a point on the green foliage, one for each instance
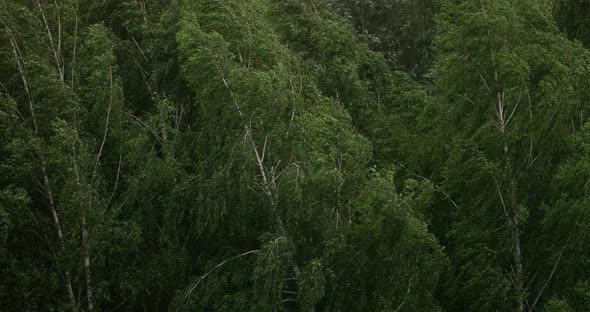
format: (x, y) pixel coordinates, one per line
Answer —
(566, 217)
(388, 237)
(311, 285)
(557, 305)
(271, 271)
(573, 20)
(508, 99)
(244, 75)
(401, 30)
(225, 155)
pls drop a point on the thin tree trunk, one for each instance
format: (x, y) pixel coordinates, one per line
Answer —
(87, 274)
(57, 224)
(85, 237)
(513, 214)
(87, 265)
(518, 274)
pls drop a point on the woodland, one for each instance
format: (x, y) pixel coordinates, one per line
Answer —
(295, 155)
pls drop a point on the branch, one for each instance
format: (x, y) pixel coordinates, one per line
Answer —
(218, 266)
(548, 280)
(405, 296)
(106, 127)
(436, 186)
(56, 53)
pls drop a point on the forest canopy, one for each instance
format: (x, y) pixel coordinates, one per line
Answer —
(294, 155)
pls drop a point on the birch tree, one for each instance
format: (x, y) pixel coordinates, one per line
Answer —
(508, 85)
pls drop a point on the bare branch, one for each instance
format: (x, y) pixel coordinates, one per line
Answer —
(56, 52)
(217, 267)
(548, 280)
(106, 127)
(405, 296)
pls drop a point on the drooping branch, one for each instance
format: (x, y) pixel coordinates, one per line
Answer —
(196, 284)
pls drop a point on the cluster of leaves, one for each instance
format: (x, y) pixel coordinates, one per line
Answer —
(401, 30)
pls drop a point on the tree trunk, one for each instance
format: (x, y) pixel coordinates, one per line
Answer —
(87, 264)
(518, 278)
(59, 232)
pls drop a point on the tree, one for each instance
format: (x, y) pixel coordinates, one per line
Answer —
(276, 147)
(508, 97)
(63, 107)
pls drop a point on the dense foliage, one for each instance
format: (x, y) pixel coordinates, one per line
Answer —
(287, 155)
